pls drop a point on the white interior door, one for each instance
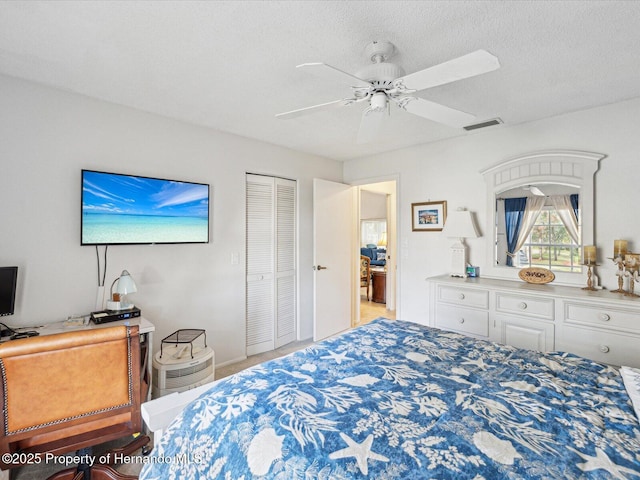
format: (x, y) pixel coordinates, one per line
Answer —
(285, 265)
(260, 264)
(271, 263)
(333, 247)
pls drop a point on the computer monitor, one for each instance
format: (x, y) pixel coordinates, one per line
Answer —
(8, 282)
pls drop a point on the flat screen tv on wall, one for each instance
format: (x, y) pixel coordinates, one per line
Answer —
(120, 209)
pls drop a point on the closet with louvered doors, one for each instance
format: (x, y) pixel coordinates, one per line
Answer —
(271, 269)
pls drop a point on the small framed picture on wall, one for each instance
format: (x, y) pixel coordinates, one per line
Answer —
(428, 216)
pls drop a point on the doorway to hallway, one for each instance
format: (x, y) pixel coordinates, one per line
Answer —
(370, 311)
(377, 232)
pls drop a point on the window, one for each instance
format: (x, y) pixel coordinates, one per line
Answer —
(373, 232)
(549, 245)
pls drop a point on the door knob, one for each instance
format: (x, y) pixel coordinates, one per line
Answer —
(319, 267)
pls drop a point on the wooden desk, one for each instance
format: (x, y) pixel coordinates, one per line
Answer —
(379, 280)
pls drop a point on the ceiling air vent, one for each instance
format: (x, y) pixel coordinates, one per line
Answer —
(488, 123)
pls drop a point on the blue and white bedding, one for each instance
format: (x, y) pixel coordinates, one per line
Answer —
(394, 400)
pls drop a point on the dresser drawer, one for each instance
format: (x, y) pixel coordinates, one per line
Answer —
(602, 316)
(526, 333)
(464, 320)
(467, 297)
(539, 307)
(606, 347)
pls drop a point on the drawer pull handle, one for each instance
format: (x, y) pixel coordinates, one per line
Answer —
(461, 296)
(461, 320)
(604, 349)
(604, 317)
(522, 306)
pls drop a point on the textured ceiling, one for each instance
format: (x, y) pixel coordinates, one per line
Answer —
(230, 65)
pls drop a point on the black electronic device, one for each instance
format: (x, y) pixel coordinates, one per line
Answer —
(28, 334)
(142, 210)
(106, 316)
(8, 282)
(7, 331)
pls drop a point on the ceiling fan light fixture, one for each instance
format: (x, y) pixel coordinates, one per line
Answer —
(378, 102)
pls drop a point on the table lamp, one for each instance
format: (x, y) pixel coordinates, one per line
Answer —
(124, 284)
(460, 225)
(382, 242)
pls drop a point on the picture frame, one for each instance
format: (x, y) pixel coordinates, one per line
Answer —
(428, 216)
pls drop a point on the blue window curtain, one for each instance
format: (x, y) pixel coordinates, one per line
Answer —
(513, 213)
(575, 204)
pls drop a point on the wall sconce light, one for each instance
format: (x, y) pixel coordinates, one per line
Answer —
(460, 225)
(124, 285)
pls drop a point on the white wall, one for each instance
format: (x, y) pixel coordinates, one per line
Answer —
(47, 136)
(373, 206)
(449, 170)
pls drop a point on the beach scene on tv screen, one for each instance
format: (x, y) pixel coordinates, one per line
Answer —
(128, 209)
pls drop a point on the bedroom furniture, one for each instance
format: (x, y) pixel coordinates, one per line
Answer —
(398, 400)
(599, 325)
(68, 391)
(459, 225)
(551, 168)
(365, 273)
(379, 283)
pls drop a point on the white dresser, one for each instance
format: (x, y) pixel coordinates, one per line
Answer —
(599, 325)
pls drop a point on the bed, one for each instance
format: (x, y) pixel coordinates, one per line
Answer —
(394, 399)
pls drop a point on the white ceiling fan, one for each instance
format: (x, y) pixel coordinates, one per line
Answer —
(383, 82)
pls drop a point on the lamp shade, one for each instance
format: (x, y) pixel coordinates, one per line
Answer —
(460, 224)
(382, 242)
(125, 284)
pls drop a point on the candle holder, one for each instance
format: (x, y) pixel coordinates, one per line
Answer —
(628, 266)
(632, 265)
(589, 286)
(619, 261)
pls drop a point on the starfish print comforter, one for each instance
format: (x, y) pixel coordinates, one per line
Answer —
(395, 400)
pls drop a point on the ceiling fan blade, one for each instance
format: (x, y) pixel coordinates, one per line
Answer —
(371, 125)
(435, 111)
(334, 75)
(315, 108)
(470, 65)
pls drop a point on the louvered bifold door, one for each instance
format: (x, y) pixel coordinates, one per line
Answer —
(260, 261)
(285, 251)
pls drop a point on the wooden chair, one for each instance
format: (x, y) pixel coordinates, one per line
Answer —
(69, 391)
(365, 273)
